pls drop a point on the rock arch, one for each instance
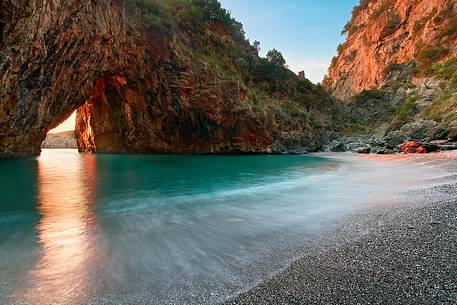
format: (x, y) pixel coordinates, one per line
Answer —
(52, 54)
(138, 87)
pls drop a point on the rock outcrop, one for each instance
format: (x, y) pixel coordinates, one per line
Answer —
(148, 77)
(396, 76)
(387, 39)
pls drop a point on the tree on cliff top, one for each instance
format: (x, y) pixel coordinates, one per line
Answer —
(212, 10)
(275, 57)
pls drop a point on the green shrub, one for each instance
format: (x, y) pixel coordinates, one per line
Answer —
(265, 71)
(426, 56)
(340, 49)
(445, 70)
(213, 11)
(370, 94)
(350, 27)
(405, 110)
(442, 108)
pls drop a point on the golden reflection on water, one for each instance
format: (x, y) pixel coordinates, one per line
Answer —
(66, 230)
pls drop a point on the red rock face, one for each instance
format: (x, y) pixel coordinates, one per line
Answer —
(137, 87)
(388, 32)
(51, 55)
(122, 117)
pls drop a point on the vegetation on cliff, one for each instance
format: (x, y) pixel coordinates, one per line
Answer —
(397, 68)
(210, 38)
(169, 76)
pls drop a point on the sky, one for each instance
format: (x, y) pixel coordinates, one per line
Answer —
(69, 124)
(307, 32)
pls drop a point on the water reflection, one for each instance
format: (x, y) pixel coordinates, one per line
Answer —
(66, 230)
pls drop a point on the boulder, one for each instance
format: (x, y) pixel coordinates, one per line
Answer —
(363, 150)
(394, 138)
(412, 147)
(449, 146)
(337, 146)
(420, 130)
(381, 150)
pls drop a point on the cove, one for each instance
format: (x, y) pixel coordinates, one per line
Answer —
(102, 229)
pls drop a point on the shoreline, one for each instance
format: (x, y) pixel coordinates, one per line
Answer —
(403, 254)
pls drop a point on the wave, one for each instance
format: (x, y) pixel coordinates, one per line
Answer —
(152, 201)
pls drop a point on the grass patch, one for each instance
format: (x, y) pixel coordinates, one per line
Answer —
(405, 110)
(443, 109)
(426, 56)
(446, 70)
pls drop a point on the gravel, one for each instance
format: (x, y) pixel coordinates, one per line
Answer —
(391, 255)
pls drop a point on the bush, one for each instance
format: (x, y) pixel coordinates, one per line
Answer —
(340, 49)
(445, 70)
(213, 11)
(370, 94)
(426, 56)
(350, 27)
(405, 110)
(276, 58)
(268, 72)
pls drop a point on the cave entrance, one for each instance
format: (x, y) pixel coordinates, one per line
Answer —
(96, 125)
(63, 136)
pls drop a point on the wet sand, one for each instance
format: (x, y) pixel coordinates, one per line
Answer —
(403, 254)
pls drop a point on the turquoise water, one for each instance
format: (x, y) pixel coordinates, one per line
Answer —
(84, 229)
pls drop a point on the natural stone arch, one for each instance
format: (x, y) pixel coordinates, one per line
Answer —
(139, 86)
(51, 55)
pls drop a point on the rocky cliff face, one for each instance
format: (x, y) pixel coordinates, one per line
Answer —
(397, 76)
(147, 76)
(60, 140)
(51, 54)
(387, 39)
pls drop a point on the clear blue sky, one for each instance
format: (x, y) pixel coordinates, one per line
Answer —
(307, 32)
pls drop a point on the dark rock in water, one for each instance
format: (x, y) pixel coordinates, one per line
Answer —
(377, 142)
(298, 151)
(353, 146)
(394, 138)
(441, 133)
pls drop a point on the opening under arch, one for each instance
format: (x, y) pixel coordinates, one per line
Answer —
(63, 136)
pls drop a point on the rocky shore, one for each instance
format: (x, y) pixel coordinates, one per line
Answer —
(395, 255)
(423, 136)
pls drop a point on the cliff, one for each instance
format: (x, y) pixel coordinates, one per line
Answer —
(396, 76)
(384, 36)
(65, 139)
(148, 76)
